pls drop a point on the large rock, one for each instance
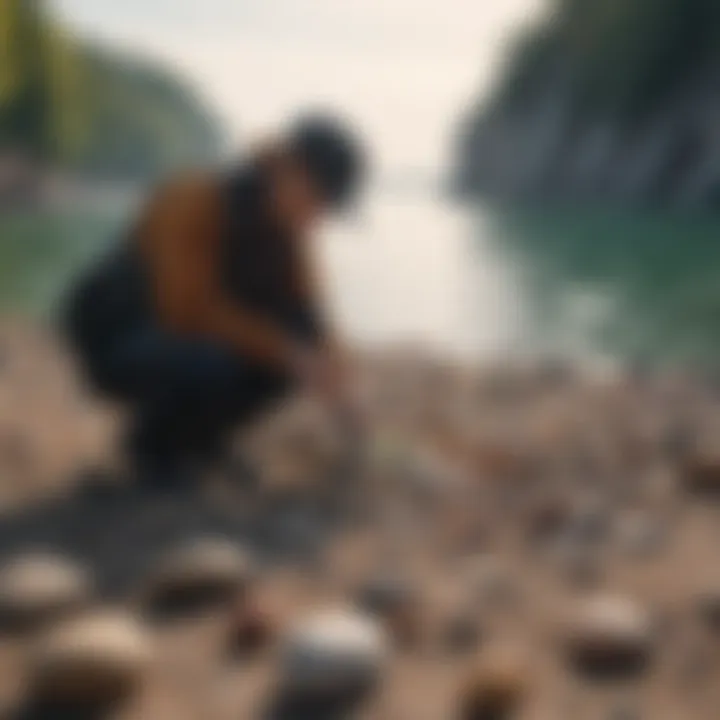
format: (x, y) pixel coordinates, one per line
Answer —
(199, 572)
(335, 656)
(36, 589)
(91, 661)
(609, 635)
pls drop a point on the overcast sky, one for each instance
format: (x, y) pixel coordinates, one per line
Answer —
(402, 69)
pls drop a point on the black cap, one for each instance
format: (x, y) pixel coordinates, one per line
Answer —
(332, 155)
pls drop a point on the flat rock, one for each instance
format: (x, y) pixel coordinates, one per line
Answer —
(92, 661)
(609, 635)
(36, 589)
(199, 572)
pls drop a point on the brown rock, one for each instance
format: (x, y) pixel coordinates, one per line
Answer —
(609, 635)
(90, 661)
(701, 474)
(253, 627)
(201, 572)
(495, 687)
(37, 589)
(461, 632)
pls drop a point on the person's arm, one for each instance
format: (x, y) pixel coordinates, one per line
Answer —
(181, 240)
(332, 354)
(309, 287)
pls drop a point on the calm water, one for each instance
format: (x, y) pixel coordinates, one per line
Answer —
(414, 268)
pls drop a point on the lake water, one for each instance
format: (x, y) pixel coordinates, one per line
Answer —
(415, 268)
(407, 269)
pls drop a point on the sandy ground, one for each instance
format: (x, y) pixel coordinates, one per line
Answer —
(570, 483)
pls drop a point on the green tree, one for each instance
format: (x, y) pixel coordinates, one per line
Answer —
(88, 109)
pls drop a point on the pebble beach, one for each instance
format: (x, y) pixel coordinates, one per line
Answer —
(523, 540)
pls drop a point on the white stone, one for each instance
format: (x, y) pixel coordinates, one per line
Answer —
(331, 652)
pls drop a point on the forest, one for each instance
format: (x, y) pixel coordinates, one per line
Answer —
(604, 101)
(68, 104)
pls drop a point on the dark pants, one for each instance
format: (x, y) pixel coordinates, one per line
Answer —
(187, 395)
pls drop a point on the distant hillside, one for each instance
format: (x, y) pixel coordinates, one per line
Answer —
(604, 102)
(69, 104)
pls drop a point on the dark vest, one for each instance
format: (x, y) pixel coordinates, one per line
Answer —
(258, 257)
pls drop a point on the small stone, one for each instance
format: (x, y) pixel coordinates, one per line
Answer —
(334, 657)
(38, 589)
(589, 525)
(609, 636)
(708, 607)
(429, 477)
(678, 442)
(701, 475)
(640, 536)
(394, 600)
(406, 626)
(496, 687)
(199, 573)
(489, 581)
(462, 633)
(98, 660)
(385, 594)
(252, 627)
(581, 568)
(545, 519)
(623, 712)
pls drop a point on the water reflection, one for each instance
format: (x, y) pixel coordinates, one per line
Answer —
(415, 268)
(639, 285)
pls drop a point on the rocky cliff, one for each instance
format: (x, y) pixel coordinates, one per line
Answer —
(604, 102)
